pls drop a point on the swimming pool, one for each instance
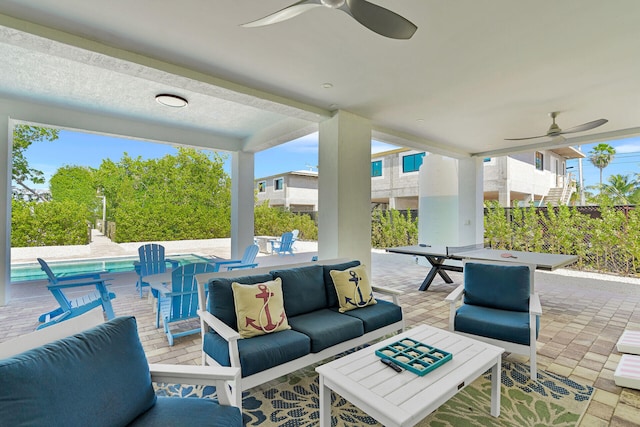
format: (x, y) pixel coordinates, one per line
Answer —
(32, 271)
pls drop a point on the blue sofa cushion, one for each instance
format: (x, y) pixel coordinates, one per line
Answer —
(221, 302)
(505, 287)
(511, 326)
(188, 412)
(332, 296)
(303, 289)
(326, 328)
(376, 316)
(99, 377)
(261, 352)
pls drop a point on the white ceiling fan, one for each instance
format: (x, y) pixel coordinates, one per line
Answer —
(555, 131)
(374, 17)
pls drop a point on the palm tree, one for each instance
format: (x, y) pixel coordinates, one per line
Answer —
(621, 188)
(600, 156)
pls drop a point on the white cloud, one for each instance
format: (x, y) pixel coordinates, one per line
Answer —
(633, 147)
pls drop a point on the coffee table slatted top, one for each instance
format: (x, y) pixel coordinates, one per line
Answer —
(406, 398)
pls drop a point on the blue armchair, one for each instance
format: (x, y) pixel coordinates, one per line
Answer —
(499, 307)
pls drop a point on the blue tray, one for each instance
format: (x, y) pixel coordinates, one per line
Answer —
(414, 356)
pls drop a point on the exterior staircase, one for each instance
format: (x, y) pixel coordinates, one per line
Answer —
(558, 196)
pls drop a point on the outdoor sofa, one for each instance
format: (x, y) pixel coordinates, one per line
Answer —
(68, 375)
(318, 329)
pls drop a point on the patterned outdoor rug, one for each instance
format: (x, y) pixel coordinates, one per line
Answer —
(292, 401)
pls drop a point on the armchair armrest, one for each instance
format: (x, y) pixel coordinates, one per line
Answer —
(97, 283)
(217, 376)
(241, 266)
(452, 299)
(534, 304)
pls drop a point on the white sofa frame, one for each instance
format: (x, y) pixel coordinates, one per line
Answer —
(223, 378)
(535, 309)
(210, 322)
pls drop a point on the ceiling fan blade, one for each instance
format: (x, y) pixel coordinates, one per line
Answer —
(284, 14)
(523, 139)
(586, 126)
(380, 20)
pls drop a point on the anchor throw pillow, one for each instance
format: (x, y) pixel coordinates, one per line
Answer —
(259, 308)
(353, 288)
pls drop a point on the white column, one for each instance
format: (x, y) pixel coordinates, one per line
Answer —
(242, 202)
(470, 201)
(344, 193)
(6, 142)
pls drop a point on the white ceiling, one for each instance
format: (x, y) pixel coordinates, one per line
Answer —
(475, 72)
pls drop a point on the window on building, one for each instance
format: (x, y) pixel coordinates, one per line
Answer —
(376, 168)
(486, 159)
(262, 186)
(278, 184)
(412, 162)
(539, 161)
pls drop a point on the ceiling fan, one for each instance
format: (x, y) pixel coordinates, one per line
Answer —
(376, 18)
(554, 129)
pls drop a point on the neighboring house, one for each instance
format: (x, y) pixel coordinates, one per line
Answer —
(296, 191)
(540, 177)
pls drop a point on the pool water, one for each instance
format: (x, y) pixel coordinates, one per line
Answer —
(32, 271)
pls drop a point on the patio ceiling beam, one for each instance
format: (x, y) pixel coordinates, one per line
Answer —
(279, 133)
(403, 139)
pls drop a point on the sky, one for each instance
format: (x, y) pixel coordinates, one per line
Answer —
(86, 149)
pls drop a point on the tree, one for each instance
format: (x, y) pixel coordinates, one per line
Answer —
(23, 137)
(621, 189)
(600, 156)
(75, 183)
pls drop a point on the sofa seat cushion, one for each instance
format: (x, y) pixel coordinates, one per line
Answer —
(332, 296)
(326, 328)
(187, 412)
(510, 326)
(221, 303)
(99, 377)
(303, 289)
(376, 316)
(259, 353)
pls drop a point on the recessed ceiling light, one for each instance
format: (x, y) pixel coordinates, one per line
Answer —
(327, 85)
(170, 100)
(420, 120)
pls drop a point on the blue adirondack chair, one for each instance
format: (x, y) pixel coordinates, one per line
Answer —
(247, 260)
(180, 301)
(70, 308)
(152, 261)
(284, 245)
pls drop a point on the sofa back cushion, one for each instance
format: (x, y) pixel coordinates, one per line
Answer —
(332, 296)
(504, 287)
(221, 302)
(99, 377)
(303, 289)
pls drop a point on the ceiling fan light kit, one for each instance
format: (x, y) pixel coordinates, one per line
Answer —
(555, 130)
(376, 18)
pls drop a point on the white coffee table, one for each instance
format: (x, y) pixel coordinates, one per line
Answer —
(404, 399)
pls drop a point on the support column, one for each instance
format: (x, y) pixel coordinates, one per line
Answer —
(6, 142)
(242, 202)
(451, 207)
(344, 193)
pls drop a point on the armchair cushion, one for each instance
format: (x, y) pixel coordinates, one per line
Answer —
(353, 288)
(332, 296)
(259, 308)
(511, 326)
(303, 289)
(260, 352)
(490, 285)
(171, 411)
(117, 378)
(221, 303)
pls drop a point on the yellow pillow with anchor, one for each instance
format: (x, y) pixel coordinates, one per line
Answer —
(353, 288)
(259, 308)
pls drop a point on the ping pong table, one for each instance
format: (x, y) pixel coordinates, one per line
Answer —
(448, 258)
